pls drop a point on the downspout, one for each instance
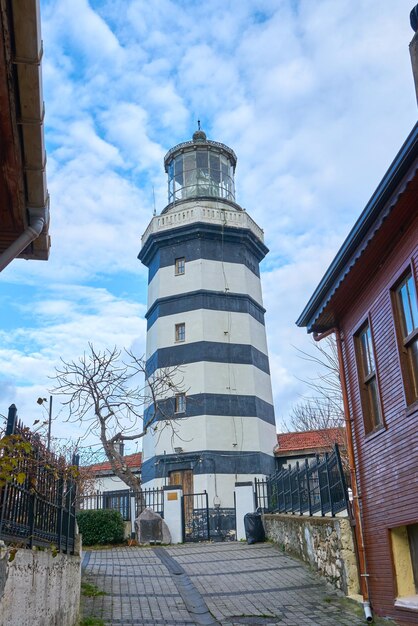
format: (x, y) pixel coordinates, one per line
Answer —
(38, 219)
(361, 553)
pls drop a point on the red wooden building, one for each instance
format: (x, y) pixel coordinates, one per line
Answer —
(368, 297)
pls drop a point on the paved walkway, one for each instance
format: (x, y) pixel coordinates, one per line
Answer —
(228, 584)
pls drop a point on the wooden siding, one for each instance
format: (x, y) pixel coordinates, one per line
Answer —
(387, 460)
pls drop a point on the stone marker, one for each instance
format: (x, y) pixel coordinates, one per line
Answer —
(151, 528)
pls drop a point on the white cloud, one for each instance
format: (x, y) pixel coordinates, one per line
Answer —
(314, 97)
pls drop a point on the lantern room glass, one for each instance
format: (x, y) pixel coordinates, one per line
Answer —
(200, 172)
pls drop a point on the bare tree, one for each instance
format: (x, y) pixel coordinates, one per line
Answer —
(315, 414)
(324, 408)
(115, 397)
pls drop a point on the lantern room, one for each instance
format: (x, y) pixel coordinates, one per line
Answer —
(200, 168)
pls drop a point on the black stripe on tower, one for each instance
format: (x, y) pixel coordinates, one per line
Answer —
(209, 351)
(223, 404)
(205, 299)
(208, 462)
(202, 241)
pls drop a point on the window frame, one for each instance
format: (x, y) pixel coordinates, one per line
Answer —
(180, 403)
(373, 421)
(180, 332)
(180, 266)
(404, 343)
(404, 566)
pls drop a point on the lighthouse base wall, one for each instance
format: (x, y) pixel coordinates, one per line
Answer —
(219, 487)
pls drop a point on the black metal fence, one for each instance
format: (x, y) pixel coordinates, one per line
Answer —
(125, 501)
(37, 506)
(318, 486)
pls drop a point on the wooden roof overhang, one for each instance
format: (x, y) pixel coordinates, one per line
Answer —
(23, 190)
(391, 209)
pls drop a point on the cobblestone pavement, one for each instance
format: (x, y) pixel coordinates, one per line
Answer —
(228, 584)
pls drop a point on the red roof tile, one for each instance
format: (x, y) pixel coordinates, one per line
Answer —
(309, 439)
(132, 460)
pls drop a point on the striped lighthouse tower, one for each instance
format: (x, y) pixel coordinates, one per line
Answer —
(206, 317)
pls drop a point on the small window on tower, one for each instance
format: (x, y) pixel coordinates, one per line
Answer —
(180, 332)
(180, 266)
(180, 403)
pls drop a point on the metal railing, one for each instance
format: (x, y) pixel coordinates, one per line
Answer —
(316, 487)
(121, 501)
(37, 506)
(207, 212)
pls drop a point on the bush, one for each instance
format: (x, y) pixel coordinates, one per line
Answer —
(101, 527)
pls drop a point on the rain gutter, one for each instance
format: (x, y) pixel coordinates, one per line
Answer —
(358, 528)
(39, 218)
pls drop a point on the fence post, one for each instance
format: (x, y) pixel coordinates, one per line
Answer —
(207, 513)
(298, 478)
(331, 500)
(10, 429)
(60, 496)
(308, 484)
(132, 510)
(341, 472)
(33, 498)
(318, 473)
(75, 463)
(68, 513)
(11, 420)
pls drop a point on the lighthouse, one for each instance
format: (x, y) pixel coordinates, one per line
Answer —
(206, 321)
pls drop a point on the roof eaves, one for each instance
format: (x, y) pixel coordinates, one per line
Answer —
(341, 265)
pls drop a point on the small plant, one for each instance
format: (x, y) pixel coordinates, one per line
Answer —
(14, 450)
(90, 590)
(101, 527)
(92, 621)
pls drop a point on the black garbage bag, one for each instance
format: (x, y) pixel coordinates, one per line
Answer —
(254, 529)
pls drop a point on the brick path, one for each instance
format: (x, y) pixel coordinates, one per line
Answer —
(229, 584)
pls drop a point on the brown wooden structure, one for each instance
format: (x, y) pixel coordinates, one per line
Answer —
(24, 211)
(368, 298)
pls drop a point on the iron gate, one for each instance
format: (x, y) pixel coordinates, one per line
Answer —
(195, 512)
(200, 523)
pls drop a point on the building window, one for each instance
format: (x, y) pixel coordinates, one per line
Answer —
(367, 378)
(179, 266)
(180, 332)
(406, 318)
(180, 403)
(405, 560)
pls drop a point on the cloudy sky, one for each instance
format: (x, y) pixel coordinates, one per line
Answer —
(315, 97)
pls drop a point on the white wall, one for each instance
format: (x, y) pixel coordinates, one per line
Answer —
(212, 432)
(222, 493)
(207, 325)
(39, 589)
(205, 274)
(109, 483)
(223, 378)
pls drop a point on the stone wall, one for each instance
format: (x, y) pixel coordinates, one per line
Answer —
(38, 588)
(326, 543)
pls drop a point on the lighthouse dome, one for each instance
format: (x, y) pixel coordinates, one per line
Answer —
(200, 168)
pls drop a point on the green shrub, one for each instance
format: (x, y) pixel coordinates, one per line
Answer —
(101, 527)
